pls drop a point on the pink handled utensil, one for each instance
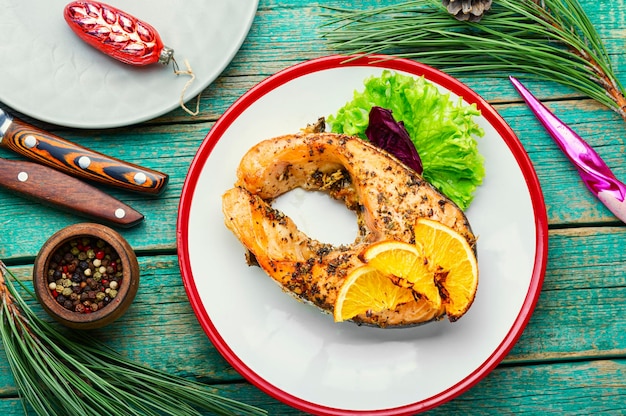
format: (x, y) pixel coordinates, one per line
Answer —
(592, 169)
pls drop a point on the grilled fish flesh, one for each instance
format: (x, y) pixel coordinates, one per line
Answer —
(386, 196)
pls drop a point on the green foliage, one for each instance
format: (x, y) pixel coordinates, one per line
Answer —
(441, 129)
(57, 375)
(548, 39)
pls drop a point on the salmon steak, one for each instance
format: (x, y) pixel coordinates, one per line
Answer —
(386, 195)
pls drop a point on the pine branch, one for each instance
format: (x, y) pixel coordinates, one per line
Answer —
(56, 375)
(550, 40)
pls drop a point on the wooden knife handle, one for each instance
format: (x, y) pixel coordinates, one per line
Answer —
(51, 187)
(76, 160)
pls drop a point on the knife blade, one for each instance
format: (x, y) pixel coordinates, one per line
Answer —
(71, 158)
(594, 172)
(51, 187)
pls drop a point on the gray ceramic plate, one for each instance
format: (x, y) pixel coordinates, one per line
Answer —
(50, 74)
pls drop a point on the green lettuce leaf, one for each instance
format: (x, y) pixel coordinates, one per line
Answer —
(443, 130)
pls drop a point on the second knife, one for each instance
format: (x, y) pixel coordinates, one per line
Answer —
(76, 160)
(50, 187)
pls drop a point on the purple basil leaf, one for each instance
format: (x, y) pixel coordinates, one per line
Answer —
(388, 134)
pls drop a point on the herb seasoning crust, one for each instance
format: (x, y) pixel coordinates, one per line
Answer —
(386, 196)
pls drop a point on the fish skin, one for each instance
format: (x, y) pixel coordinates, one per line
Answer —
(387, 197)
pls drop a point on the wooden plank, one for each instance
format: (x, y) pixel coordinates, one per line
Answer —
(584, 292)
(576, 388)
(574, 324)
(583, 297)
(568, 201)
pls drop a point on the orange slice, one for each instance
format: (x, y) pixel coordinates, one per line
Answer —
(366, 289)
(452, 260)
(405, 265)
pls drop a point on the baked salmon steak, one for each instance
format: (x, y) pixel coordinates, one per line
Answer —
(387, 197)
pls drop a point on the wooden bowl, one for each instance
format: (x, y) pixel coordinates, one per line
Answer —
(97, 247)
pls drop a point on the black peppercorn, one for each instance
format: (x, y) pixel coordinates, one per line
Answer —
(84, 275)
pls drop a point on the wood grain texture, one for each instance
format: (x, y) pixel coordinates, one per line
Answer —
(564, 330)
(54, 151)
(571, 359)
(565, 389)
(50, 187)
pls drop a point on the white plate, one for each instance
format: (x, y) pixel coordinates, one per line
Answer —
(48, 73)
(299, 355)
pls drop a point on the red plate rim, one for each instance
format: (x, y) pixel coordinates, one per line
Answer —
(417, 69)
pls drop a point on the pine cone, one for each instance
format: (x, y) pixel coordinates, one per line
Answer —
(471, 10)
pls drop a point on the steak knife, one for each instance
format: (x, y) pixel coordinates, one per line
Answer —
(61, 154)
(51, 187)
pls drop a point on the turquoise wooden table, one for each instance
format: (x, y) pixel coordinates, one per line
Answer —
(571, 358)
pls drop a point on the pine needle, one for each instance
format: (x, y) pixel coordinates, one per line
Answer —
(550, 40)
(57, 375)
